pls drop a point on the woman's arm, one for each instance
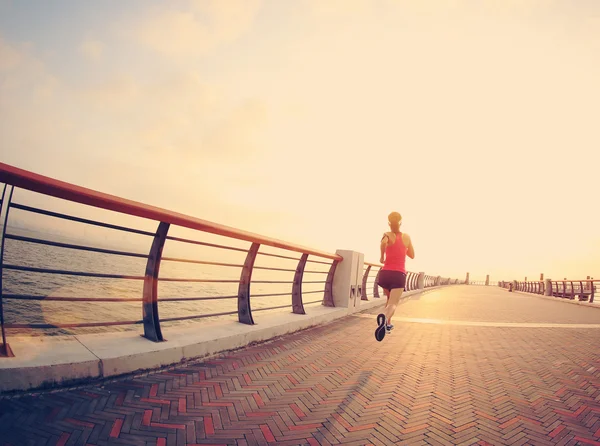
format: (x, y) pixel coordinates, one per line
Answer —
(410, 251)
(382, 246)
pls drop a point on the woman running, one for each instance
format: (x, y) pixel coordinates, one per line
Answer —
(395, 246)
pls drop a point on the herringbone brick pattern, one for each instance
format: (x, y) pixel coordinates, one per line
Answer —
(424, 384)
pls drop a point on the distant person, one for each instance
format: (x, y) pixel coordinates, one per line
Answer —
(395, 246)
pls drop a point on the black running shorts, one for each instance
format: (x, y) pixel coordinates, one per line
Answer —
(390, 280)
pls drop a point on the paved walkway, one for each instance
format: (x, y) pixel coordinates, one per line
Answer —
(441, 377)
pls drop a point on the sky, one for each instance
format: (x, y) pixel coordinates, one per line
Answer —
(311, 120)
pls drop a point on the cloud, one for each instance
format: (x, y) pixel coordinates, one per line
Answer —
(336, 8)
(112, 94)
(10, 56)
(359, 9)
(179, 115)
(238, 132)
(197, 30)
(22, 73)
(92, 49)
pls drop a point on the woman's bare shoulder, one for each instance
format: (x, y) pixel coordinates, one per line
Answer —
(391, 237)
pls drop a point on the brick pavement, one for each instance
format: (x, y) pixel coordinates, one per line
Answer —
(424, 384)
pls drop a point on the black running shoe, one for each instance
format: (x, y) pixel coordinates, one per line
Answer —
(380, 332)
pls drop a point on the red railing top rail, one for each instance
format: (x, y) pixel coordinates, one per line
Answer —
(67, 191)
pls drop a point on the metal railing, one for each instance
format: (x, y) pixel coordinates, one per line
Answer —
(583, 289)
(478, 282)
(14, 178)
(142, 269)
(370, 281)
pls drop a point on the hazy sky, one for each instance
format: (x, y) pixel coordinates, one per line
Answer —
(311, 120)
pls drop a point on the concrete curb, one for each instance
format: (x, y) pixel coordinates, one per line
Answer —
(55, 361)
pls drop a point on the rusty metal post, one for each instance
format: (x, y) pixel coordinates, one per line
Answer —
(297, 305)
(363, 294)
(328, 298)
(5, 350)
(150, 294)
(487, 280)
(376, 285)
(244, 308)
(467, 279)
(582, 295)
(572, 291)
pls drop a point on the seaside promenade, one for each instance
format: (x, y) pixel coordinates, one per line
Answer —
(464, 365)
(284, 353)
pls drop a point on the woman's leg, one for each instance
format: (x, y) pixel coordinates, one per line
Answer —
(381, 321)
(392, 304)
(387, 294)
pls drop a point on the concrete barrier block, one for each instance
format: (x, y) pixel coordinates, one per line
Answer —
(46, 361)
(127, 352)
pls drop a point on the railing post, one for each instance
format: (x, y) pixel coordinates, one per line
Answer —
(152, 329)
(467, 279)
(572, 291)
(328, 297)
(421, 281)
(582, 296)
(487, 280)
(547, 287)
(348, 280)
(297, 305)
(363, 295)
(5, 350)
(244, 308)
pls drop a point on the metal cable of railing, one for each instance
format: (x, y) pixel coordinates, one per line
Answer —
(245, 311)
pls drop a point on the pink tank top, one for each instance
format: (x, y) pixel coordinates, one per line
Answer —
(395, 256)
